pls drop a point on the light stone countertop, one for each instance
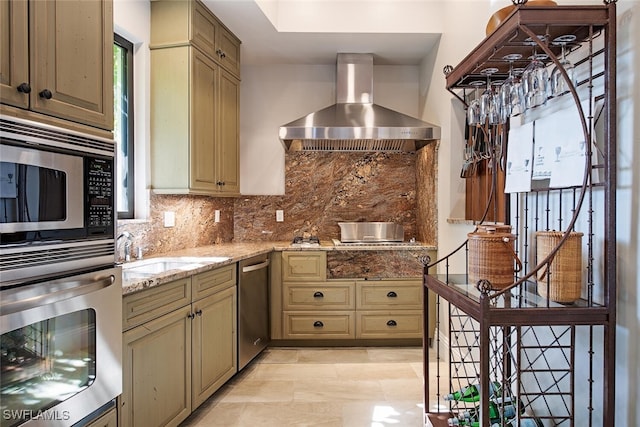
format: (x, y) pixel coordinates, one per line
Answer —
(236, 252)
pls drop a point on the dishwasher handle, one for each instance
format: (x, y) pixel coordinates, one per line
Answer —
(254, 267)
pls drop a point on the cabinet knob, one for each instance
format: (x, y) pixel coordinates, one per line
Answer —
(220, 183)
(318, 295)
(318, 324)
(392, 323)
(24, 88)
(198, 312)
(191, 316)
(392, 295)
(222, 54)
(46, 94)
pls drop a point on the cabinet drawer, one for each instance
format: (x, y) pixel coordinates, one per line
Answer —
(338, 296)
(378, 295)
(389, 324)
(152, 303)
(304, 266)
(213, 281)
(320, 325)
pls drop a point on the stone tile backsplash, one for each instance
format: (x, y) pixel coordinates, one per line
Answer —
(321, 189)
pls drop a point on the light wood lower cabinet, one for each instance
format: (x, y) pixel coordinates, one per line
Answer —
(108, 419)
(157, 371)
(214, 349)
(179, 347)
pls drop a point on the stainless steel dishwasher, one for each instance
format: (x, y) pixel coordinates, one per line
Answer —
(253, 308)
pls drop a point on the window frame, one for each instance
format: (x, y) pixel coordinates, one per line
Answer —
(127, 47)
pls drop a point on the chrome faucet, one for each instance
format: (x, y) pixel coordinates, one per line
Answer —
(127, 245)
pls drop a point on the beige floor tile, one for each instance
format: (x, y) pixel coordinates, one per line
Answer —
(379, 371)
(296, 414)
(278, 355)
(259, 391)
(402, 389)
(383, 413)
(323, 387)
(333, 355)
(395, 354)
(290, 371)
(337, 390)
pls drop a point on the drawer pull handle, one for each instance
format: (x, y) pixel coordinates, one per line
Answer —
(199, 312)
(46, 94)
(318, 324)
(318, 295)
(392, 323)
(24, 88)
(392, 295)
(191, 316)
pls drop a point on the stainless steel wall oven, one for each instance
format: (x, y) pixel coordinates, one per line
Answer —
(60, 348)
(60, 291)
(56, 200)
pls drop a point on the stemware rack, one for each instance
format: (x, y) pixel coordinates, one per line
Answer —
(554, 360)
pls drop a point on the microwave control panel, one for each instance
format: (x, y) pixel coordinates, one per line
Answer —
(100, 192)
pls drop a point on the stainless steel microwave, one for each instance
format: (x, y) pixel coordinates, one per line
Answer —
(56, 200)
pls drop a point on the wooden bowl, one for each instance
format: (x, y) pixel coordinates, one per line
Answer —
(496, 19)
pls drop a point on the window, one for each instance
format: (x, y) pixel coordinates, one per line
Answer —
(123, 125)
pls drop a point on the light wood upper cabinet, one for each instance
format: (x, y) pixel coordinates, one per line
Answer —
(228, 164)
(182, 22)
(57, 59)
(14, 52)
(195, 104)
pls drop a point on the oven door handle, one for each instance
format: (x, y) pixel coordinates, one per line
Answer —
(73, 289)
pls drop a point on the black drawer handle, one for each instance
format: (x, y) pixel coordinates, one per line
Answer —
(392, 323)
(318, 324)
(318, 295)
(24, 88)
(199, 312)
(46, 94)
(191, 316)
(392, 295)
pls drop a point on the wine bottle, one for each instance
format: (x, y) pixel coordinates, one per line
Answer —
(508, 412)
(471, 393)
(525, 422)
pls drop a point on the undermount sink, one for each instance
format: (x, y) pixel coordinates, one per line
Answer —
(154, 266)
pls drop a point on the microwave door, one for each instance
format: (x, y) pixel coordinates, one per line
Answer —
(40, 190)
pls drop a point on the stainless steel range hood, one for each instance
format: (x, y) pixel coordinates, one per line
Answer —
(354, 122)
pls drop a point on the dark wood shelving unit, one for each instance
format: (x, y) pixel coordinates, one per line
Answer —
(554, 359)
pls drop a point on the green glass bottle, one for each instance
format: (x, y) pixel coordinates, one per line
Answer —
(471, 393)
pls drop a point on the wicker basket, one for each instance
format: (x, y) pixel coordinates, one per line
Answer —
(564, 274)
(492, 255)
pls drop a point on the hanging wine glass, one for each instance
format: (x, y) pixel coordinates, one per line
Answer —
(488, 110)
(473, 110)
(536, 81)
(535, 78)
(516, 95)
(507, 87)
(559, 84)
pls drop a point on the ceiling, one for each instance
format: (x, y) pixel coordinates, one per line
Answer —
(263, 44)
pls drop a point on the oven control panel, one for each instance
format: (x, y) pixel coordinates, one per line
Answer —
(100, 192)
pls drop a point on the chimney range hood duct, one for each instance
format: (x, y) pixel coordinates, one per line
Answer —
(354, 122)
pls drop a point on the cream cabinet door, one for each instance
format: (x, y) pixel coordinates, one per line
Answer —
(71, 60)
(228, 150)
(214, 343)
(14, 53)
(157, 371)
(203, 122)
